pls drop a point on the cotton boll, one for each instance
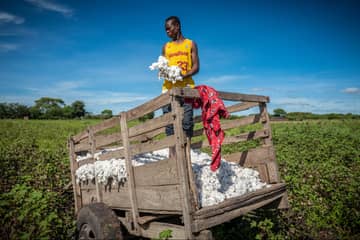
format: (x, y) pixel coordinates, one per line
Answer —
(230, 180)
(169, 73)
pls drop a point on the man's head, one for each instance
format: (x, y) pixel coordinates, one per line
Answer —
(173, 27)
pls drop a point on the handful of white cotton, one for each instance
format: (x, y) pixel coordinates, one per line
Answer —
(169, 73)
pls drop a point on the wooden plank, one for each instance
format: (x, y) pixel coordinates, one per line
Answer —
(86, 161)
(104, 140)
(88, 196)
(73, 167)
(266, 123)
(151, 124)
(119, 153)
(246, 136)
(80, 136)
(191, 175)
(82, 146)
(263, 172)
(240, 201)
(148, 107)
(93, 150)
(163, 172)
(233, 139)
(252, 157)
(241, 106)
(228, 124)
(193, 93)
(149, 135)
(207, 223)
(152, 230)
(130, 170)
(151, 198)
(182, 167)
(243, 97)
(153, 145)
(150, 218)
(273, 171)
(109, 123)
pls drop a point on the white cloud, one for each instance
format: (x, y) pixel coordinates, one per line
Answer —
(52, 6)
(299, 104)
(352, 90)
(226, 78)
(70, 91)
(10, 18)
(7, 47)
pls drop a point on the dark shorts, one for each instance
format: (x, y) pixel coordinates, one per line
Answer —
(188, 120)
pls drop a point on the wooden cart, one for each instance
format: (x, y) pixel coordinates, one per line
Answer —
(162, 195)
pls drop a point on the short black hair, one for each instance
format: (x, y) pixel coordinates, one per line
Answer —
(175, 19)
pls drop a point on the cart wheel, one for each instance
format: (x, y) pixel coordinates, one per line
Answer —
(97, 221)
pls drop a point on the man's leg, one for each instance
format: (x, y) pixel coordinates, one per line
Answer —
(169, 130)
(188, 121)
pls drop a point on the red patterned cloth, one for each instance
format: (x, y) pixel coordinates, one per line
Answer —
(212, 109)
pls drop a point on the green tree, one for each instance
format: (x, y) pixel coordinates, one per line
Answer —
(50, 108)
(68, 112)
(13, 110)
(78, 109)
(279, 112)
(106, 113)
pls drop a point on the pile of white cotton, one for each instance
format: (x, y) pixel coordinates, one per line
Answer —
(169, 73)
(230, 180)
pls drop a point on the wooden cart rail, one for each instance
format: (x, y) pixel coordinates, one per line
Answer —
(167, 186)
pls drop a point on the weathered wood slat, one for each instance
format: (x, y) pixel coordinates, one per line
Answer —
(148, 136)
(239, 201)
(80, 136)
(149, 218)
(119, 153)
(109, 123)
(86, 161)
(152, 146)
(241, 106)
(148, 107)
(73, 167)
(207, 223)
(163, 172)
(252, 157)
(153, 198)
(151, 124)
(130, 170)
(246, 136)
(104, 140)
(193, 93)
(234, 139)
(183, 171)
(83, 146)
(93, 150)
(228, 124)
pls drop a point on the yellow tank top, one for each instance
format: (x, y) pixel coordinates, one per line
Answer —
(179, 54)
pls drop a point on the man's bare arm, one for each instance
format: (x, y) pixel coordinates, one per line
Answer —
(195, 61)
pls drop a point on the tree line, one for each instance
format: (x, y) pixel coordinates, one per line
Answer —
(44, 108)
(53, 108)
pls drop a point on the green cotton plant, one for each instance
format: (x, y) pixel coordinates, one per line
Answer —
(28, 213)
(165, 234)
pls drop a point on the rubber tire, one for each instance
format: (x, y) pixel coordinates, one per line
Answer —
(97, 221)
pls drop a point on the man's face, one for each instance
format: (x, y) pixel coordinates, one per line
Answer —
(171, 29)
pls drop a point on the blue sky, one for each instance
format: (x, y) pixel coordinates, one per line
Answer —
(305, 55)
